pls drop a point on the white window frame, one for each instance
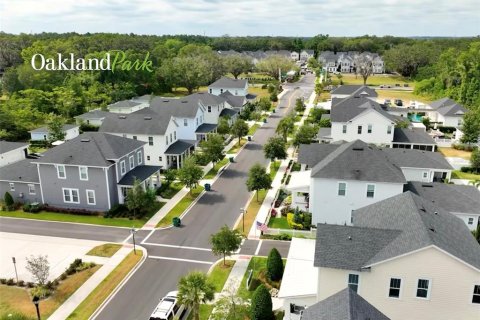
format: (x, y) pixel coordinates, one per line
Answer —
(12, 186)
(209, 109)
(31, 187)
(80, 173)
(389, 130)
(123, 167)
(131, 162)
(338, 189)
(139, 157)
(429, 289)
(374, 188)
(358, 283)
(150, 141)
(344, 129)
(370, 128)
(475, 294)
(70, 194)
(64, 171)
(94, 197)
(399, 289)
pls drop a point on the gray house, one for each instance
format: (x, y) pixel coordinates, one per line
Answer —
(21, 180)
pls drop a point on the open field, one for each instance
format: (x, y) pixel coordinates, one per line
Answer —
(375, 80)
(406, 96)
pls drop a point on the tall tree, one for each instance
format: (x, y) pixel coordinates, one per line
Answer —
(471, 127)
(212, 148)
(194, 289)
(237, 64)
(364, 66)
(274, 64)
(225, 242)
(475, 160)
(258, 179)
(305, 135)
(223, 126)
(39, 267)
(274, 265)
(55, 128)
(275, 148)
(286, 126)
(239, 129)
(190, 173)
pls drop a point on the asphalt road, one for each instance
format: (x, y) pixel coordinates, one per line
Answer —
(189, 244)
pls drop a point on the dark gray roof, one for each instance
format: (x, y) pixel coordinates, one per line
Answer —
(234, 101)
(6, 146)
(206, 128)
(422, 223)
(324, 133)
(23, 170)
(227, 112)
(207, 99)
(311, 154)
(407, 158)
(124, 104)
(65, 127)
(91, 149)
(442, 103)
(225, 82)
(346, 109)
(343, 305)
(357, 160)
(451, 197)
(355, 90)
(94, 114)
(140, 173)
(178, 147)
(448, 107)
(171, 107)
(410, 135)
(144, 121)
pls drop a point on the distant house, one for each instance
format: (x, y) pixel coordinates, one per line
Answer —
(294, 55)
(306, 54)
(447, 112)
(127, 106)
(11, 152)
(345, 61)
(41, 134)
(237, 87)
(93, 117)
(346, 91)
(235, 102)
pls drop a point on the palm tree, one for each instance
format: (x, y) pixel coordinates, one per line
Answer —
(194, 289)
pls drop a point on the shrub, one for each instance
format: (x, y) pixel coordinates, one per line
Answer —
(283, 237)
(291, 223)
(3, 281)
(21, 283)
(49, 285)
(116, 210)
(447, 129)
(307, 220)
(288, 200)
(273, 213)
(8, 199)
(285, 210)
(466, 147)
(30, 284)
(264, 86)
(40, 292)
(80, 212)
(63, 276)
(274, 265)
(10, 282)
(261, 308)
(55, 283)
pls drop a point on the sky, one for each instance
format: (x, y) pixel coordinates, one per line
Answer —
(244, 17)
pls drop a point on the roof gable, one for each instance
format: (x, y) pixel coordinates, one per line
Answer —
(225, 82)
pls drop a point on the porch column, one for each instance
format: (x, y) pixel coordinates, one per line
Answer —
(449, 175)
(178, 161)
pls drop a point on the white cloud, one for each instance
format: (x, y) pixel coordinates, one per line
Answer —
(248, 17)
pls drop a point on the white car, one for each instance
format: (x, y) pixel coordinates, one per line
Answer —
(167, 308)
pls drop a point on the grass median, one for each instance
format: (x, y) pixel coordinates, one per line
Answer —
(105, 250)
(213, 172)
(106, 287)
(180, 207)
(220, 273)
(253, 129)
(237, 147)
(252, 211)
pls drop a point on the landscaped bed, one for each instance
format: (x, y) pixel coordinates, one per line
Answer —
(105, 250)
(181, 206)
(253, 129)
(259, 267)
(168, 191)
(252, 211)
(274, 166)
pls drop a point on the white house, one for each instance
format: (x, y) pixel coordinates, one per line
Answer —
(237, 87)
(71, 131)
(294, 55)
(93, 117)
(447, 112)
(127, 106)
(212, 105)
(345, 61)
(11, 152)
(306, 54)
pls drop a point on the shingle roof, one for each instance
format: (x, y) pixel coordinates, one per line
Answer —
(124, 104)
(234, 101)
(225, 82)
(358, 161)
(346, 109)
(422, 224)
(311, 154)
(407, 158)
(355, 90)
(227, 112)
(166, 107)
(91, 149)
(6, 146)
(178, 147)
(441, 103)
(343, 305)
(144, 121)
(140, 173)
(65, 127)
(207, 99)
(23, 170)
(206, 128)
(452, 197)
(448, 107)
(94, 114)
(407, 135)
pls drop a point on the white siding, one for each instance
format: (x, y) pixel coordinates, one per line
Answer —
(12, 156)
(299, 301)
(416, 174)
(72, 133)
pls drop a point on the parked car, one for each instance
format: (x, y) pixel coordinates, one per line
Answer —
(167, 308)
(387, 102)
(405, 85)
(398, 102)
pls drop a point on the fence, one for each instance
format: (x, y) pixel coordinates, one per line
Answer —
(444, 142)
(309, 234)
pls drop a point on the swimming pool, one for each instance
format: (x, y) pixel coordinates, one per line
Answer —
(415, 117)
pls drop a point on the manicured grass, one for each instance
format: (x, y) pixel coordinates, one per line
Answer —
(181, 92)
(457, 174)
(253, 129)
(406, 96)
(220, 273)
(274, 166)
(237, 147)
(103, 290)
(180, 207)
(204, 313)
(375, 80)
(278, 223)
(105, 250)
(451, 152)
(252, 211)
(259, 266)
(213, 172)
(258, 91)
(171, 190)
(17, 300)
(98, 220)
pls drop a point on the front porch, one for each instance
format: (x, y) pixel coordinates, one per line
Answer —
(177, 152)
(204, 129)
(300, 187)
(149, 177)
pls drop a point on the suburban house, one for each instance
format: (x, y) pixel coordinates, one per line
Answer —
(413, 138)
(93, 117)
(127, 106)
(447, 112)
(71, 131)
(294, 55)
(346, 91)
(462, 201)
(237, 87)
(346, 61)
(11, 152)
(214, 106)
(92, 172)
(236, 103)
(306, 54)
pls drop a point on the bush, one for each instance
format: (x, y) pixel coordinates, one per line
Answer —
(49, 285)
(201, 159)
(465, 147)
(261, 308)
(21, 283)
(291, 222)
(40, 292)
(63, 276)
(274, 265)
(80, 212)
(264, 86)
(10, 282)
(116, 210)
(32, 209)
(447, 129)
(273, 213)
(307, 220)
(285, 210)
(8, 199)
(3, 281)
(30, 284)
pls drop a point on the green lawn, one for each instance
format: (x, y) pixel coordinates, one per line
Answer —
(105, 250)
(103, 290)
(375, 80)
(181, 206)
(237, 147)
(213, 172)
(406, 96)
(258, 91)
(274, 166)
(168, 192)
(205, 311)
(457, 174)
(252, 211)
(253, 129)
(68, 217)
(256, 264)
(220, 273)
(278, 223)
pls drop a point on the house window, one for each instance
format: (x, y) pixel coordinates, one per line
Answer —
(185, 121)
(369, 130)
(61, 172)
(148, 158)
(12, 186)
(150, 141)
(131, 161)
(171, 140)
(159, 158)
(353, 281)
(296, 309)
(470, 221)
(389, 129)
(476, 294)
(422, 288)
(394, 291)
(359, 130)
(236, 92)
(70, 195)
(425, 175)
(91, 197)
(83, 173)
(134, 137)
(196, 119)
(221, 90)
(209, 109)
(175, 135)
(31, 189)
(139, 157)
(342, 189)
(344, 128)
(123, 167)
(370, 190)
(166, 140)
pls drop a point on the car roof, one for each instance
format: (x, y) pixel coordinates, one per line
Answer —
(165, 305)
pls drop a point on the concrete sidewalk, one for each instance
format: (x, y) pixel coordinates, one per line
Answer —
(82, 293)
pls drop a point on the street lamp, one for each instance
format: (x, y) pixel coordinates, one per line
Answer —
(133, 231)
(36, 302)
(15, 267)
(243, 211)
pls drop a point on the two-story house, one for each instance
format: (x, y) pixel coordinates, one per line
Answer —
(11, 152)
(42, 134)
(237, 87)
(446, 112)
(294, 55)
(21, 180)
(353, 90)
(306, 54)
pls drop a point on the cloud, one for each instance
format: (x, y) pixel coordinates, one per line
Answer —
(247, 17)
